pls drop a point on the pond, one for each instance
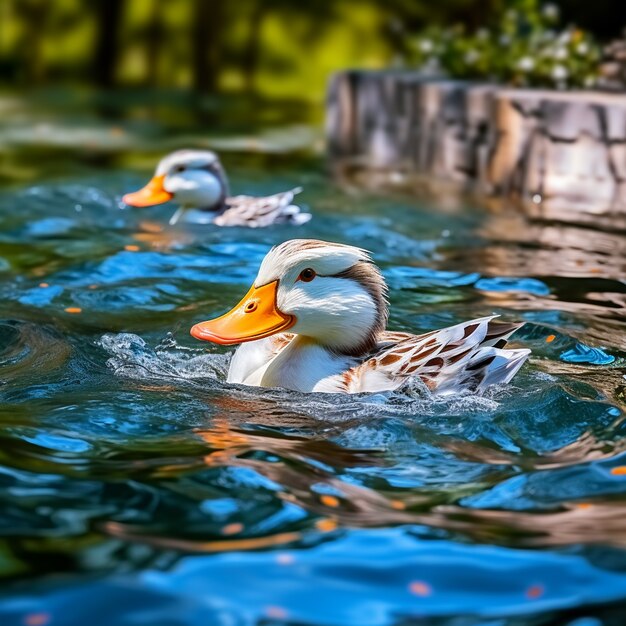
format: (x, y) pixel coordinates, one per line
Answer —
(137, 487)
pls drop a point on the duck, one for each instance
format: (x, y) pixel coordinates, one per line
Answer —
(315, 320)
(197, 181)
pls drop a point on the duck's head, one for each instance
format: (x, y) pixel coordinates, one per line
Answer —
(193, 178)
(328, 292)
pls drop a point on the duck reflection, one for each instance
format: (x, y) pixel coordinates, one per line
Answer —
(156, 237)
(306, 471)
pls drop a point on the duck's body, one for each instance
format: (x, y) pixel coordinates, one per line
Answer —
(446, 360)
(332, 300)
(197, 181)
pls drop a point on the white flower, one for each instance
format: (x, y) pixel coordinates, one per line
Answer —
(471, 56)
(560, 53)
(565, 37)
(426, 46)
(526, 64)
(551, 11)
(559, 73)
(582, 48)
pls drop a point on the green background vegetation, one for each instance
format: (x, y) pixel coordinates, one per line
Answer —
(279, 49)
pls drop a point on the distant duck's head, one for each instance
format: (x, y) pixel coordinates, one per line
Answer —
(328, 292)
(192, 178)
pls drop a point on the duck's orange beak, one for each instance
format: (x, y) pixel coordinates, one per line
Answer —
(255, 317)
(153, 193)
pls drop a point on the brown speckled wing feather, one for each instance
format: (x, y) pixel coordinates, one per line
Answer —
(466, 356)
(259, 212)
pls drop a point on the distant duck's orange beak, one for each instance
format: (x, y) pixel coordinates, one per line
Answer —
(255, 317)
(153, 193)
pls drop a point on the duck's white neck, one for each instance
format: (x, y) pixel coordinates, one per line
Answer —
(304, 365)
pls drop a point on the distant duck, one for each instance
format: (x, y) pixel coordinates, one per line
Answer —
(315, 320)
(196, 180)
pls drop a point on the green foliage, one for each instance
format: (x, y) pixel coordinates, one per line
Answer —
(274, 49)
(281, 49)
(524, 48)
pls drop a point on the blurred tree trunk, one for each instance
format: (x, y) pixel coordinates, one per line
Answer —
(252, 50)
(34, 15)
(155, 34)
(208, 28)
(108, 20)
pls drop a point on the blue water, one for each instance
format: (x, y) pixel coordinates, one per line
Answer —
(138, 488)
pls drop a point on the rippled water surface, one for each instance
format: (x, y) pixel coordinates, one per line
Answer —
(137, 487)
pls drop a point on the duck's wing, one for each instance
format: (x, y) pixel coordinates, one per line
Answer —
(470, 355)
(263, 211)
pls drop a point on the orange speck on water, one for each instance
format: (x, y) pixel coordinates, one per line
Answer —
(326, 524)
(583, 505)
(534, 591)
(620, 470)
(275, 612)
(219, 457)
(188, 307)
(132, 248)
(397, 504)
(288, 497)
(331, 501)
(232, 529)
(550, 338)
(285, 558)
(36, 619)
(44, 285)
(73, 309)
(93, 286)
(150, 227)
(420, 588)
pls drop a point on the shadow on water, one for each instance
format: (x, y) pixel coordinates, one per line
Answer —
(132, 475)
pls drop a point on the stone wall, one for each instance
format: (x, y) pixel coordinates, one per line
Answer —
(558, 153)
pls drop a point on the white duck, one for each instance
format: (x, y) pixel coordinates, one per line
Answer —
(196, 180)
(332, 300)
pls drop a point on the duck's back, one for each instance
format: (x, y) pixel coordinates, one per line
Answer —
(258, 212)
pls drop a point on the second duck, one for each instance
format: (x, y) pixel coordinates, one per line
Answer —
(196, 180)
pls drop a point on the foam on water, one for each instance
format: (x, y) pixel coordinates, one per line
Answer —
(132, 357)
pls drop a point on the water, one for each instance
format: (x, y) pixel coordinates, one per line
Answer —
(137, 487)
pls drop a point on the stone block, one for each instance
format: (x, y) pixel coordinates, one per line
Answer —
(559, 149)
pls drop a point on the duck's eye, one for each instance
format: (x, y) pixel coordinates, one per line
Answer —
(178, 169)
(307, 275)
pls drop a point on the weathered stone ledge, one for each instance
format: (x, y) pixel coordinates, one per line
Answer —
(559, 153)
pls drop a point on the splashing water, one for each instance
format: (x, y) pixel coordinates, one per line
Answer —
(130, 356)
